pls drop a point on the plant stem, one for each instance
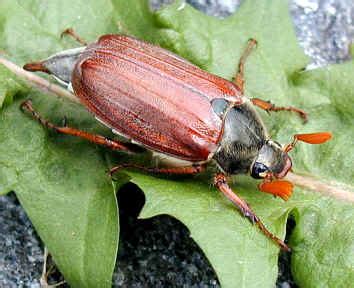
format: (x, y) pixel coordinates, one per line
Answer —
(331, 189)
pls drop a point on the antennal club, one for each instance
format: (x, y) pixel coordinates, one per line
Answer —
(310, 138)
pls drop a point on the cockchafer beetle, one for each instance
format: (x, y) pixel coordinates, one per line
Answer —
(161, 102)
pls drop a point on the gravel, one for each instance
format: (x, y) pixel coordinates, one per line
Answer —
(159, 252)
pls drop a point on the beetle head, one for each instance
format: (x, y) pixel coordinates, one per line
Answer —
(272, 161)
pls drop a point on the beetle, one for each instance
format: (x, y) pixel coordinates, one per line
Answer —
(184, 115)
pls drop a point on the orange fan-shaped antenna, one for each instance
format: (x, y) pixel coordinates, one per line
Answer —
(281, 188)
(311, 138)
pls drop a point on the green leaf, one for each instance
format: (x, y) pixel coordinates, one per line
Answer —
(239, 253)
(62, 182)
(323, 238)
(9, 86)
(323, 244)
(73, 208)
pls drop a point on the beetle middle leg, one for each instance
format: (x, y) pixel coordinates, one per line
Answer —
(220, 182)
(186, 170)
(268, 106)
(239, 79)
(98, 139)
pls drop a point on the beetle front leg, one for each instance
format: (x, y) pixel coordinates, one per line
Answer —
(98, 139)
(220, 182)
(239, 79)
(268, 106)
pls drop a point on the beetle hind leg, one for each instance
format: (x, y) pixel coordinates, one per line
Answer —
(94, 138)
(73, 34)
(220, 182)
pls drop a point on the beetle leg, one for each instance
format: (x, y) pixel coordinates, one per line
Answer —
(239, 79)
(98, 139)
(220, 182)
(268, 106)
(198, 168)
(72, 33)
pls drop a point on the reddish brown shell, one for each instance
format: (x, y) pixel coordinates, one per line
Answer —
(152, 96)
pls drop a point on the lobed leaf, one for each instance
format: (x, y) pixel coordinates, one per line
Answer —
(62, 182)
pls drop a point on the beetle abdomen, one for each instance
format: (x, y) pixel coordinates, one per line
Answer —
(152, 96)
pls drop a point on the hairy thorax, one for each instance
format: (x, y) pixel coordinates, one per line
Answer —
(244, 135)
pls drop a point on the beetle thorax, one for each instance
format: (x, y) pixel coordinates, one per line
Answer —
(244, 135)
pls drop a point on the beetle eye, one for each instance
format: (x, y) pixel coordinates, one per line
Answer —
(257, 169)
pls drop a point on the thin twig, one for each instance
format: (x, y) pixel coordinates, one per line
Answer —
(45, 273)
(331, 189)
(38, 82)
